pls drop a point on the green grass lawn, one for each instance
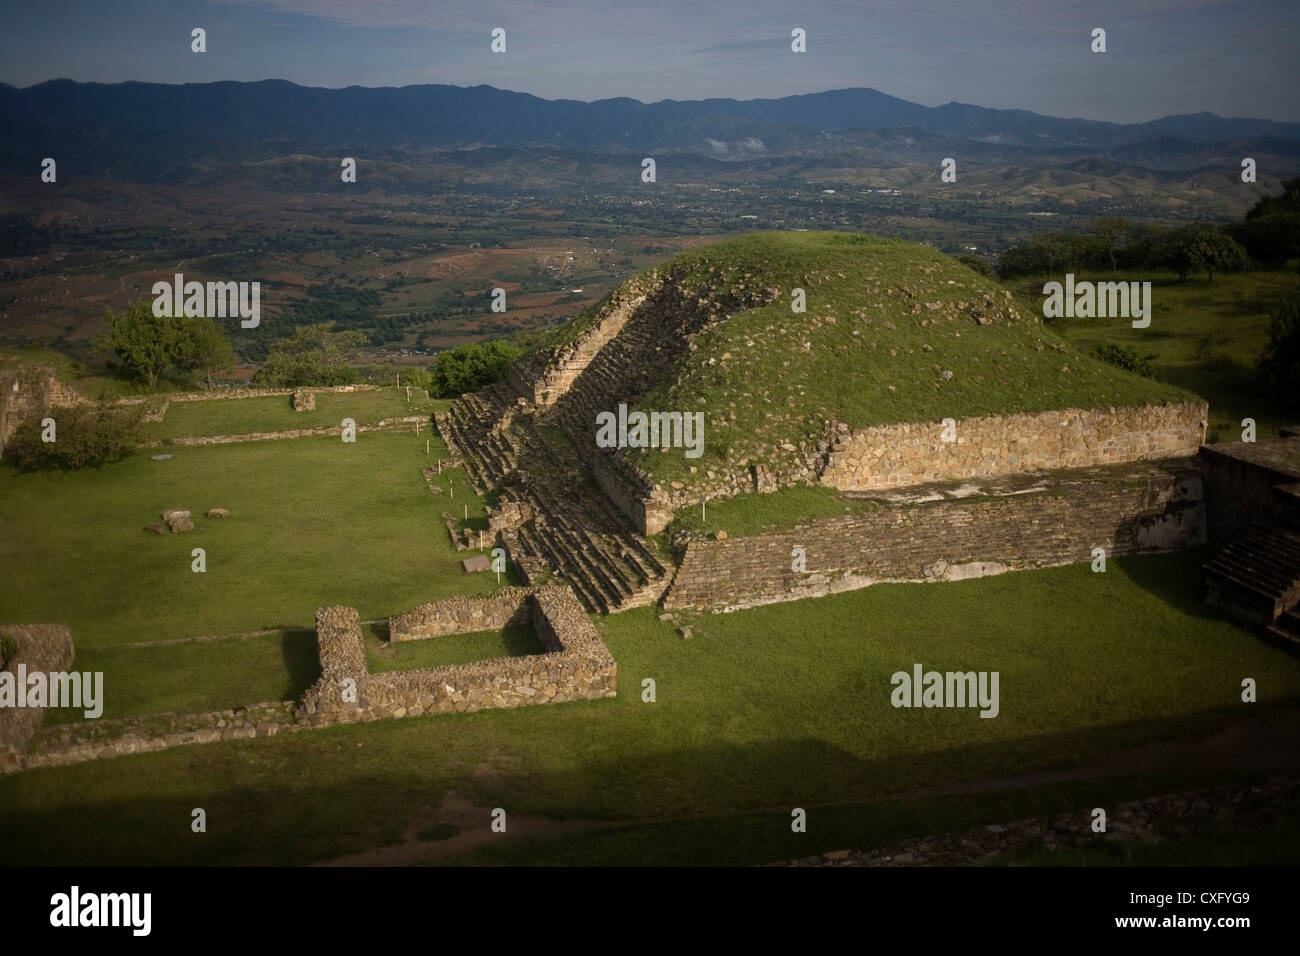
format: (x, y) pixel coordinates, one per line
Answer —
(1204, 336)
(275, 413)
(763, 710)
(513, 641)
(314, 522)
(200, 676)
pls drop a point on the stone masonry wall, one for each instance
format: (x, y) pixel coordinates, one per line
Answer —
(893, 456)
(576, 666)
(44, 648)
(1155, 507)
(460, 615)
(1242, 486)
(82, 740)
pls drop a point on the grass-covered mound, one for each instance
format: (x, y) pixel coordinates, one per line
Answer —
(894, 331)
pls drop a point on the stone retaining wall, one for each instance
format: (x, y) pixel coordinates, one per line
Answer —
(910, 453)
(1000, 527)
(45, 648)
(894, 456)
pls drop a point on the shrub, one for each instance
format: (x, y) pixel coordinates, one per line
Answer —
(469, 367)
(1281, 358)
(976, 263)
(8, 650)
(83, 435)
(1121, 356)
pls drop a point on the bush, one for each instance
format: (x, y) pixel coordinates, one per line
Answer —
(315, 355)
(1281, 358)
(8, 650)
(418, 378)
(467, 368)
(1122, 356)
(83, 435)
(976, 263)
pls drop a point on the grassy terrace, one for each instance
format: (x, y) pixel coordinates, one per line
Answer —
(767, 375)
(313, 522)
(785, 705)
(275, 413)
(754, 514)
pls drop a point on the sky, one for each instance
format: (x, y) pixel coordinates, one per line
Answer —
(1232, 57)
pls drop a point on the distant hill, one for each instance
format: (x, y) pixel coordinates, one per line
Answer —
(366, 119)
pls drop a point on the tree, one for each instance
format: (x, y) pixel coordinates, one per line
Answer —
(313, 355)
(1281, 358)
(1113, 232)
(1271, 230)
(469, 367)
(1201, 247)
(204, 348)
(976, 263)
(1215, 252)
(146, 343)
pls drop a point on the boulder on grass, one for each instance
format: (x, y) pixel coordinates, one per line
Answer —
(156, 528)
(218, 513)
(172, 513)
(181, 524)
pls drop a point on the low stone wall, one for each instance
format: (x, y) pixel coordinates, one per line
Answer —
(221, 394)
(99, 739)
(41, 648)
(1006, 525)
(894, 456)
(387, 424)
(460, 615)
(576, 666)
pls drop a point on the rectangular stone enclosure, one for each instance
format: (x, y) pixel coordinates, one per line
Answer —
(576, 665)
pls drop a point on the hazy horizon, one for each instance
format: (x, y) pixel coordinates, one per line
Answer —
(1168, 57)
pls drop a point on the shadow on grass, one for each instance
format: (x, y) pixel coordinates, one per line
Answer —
(323, 794)
(301, 660)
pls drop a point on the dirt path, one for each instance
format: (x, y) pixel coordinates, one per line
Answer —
(1267, 744)
(475, 831)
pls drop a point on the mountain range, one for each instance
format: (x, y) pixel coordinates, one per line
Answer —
(356, 119)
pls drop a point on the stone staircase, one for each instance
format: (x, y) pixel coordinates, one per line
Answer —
(1257, 577)
(536, 451)
(572, 528)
